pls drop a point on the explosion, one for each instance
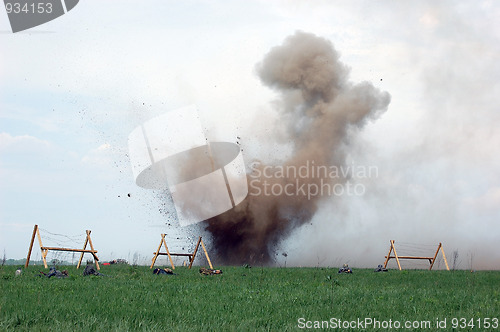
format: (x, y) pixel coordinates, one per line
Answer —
(320, 110)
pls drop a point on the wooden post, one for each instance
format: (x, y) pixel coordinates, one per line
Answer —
(44, 252)
(44, 257)
(168, 252)
(206, 254)
(444, 257)
(96, 259)
(81, 256)
(388, 256)
(35, 229)
(395, 254)
(435, 255)
(194, 253)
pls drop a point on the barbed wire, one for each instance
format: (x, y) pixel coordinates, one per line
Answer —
(61, 239)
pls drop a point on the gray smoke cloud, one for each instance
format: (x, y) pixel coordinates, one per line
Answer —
(320, 111)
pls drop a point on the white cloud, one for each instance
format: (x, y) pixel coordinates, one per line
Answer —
(22, 143)
(101, 156)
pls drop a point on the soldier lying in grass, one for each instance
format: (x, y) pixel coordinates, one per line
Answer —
(54, 273)
(380, 268)
(207, 272)
(345, 269)
(90, 271)
(163, 271)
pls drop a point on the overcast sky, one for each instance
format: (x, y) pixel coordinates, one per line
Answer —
(72, 90)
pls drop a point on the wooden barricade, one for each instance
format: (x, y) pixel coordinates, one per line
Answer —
(45, 250)
(190, 257)
(431, 260)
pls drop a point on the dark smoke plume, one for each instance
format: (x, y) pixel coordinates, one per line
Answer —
(319, 111)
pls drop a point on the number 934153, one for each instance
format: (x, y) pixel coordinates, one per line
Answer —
(32, 8)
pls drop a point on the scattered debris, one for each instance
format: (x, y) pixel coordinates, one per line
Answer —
(208, 272)
(380, 268)
(163, 271)
(345, 269)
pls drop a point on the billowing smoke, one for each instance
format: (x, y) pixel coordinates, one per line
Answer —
(319, 112)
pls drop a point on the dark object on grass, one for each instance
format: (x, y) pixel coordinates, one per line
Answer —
(345, 269)
(208, 272)
(90, 271)
(380, 268)
(163, 271)
(54, 273)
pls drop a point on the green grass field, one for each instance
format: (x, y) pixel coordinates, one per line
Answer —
(243, 299)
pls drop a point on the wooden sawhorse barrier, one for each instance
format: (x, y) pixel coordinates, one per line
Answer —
(189, 256)
(431, 260)
(45, 250)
